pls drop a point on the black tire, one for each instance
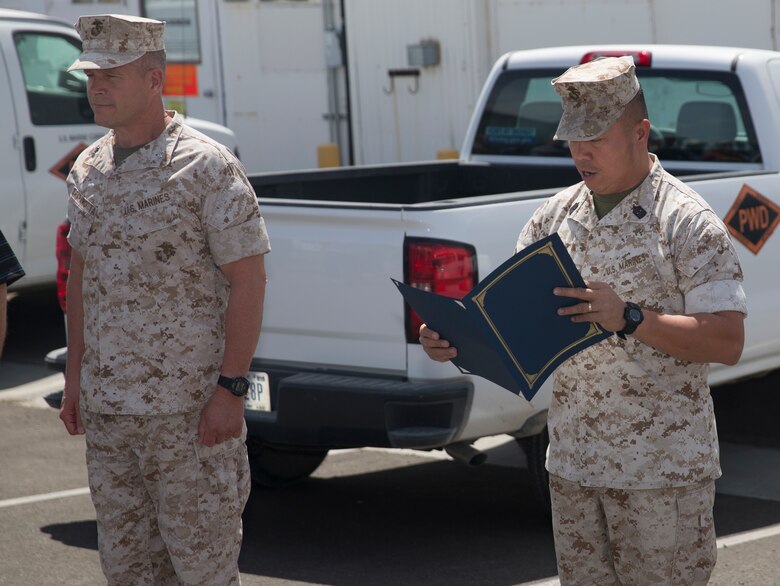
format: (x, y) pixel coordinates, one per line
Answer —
(274, 466)
(535, 448)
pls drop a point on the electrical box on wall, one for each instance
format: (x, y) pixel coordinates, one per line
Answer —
(426, 53)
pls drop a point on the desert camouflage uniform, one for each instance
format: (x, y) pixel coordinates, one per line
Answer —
(168, 508)
(624, 415)
(153, 234)
(611, 536)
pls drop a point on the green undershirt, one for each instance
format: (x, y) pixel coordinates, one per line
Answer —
(603, 204)
(121, 153)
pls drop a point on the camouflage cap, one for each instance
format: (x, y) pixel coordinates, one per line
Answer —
(112, 40)
(594, 95)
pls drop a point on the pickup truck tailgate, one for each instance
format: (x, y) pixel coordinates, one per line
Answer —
(329, 299)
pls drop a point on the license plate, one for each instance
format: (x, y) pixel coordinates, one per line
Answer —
(259, 396)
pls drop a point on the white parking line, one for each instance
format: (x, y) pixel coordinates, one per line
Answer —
(747, 536)
(49, 496)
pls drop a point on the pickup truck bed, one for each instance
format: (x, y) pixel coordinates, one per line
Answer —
(415, 183)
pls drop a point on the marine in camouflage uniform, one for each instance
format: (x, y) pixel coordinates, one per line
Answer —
(624, 415)
(153, 232)
(633, 446)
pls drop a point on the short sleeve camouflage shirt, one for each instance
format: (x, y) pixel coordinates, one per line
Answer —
(153, 234)
(624, 415)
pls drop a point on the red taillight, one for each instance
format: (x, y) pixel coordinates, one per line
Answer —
(62, 250)
(641, 58)
(440, 266)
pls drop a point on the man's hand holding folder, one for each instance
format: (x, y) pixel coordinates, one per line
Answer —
(512, 329)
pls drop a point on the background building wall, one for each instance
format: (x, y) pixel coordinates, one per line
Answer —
(290, 75)
(403, 118)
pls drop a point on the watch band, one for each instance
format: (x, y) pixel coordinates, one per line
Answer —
(238, 385)
(633, 316)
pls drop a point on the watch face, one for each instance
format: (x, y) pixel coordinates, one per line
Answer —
(240, 385)
(634, 315)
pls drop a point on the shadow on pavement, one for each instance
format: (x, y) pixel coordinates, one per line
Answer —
(737, 514)
(78, 534)
(431, 523)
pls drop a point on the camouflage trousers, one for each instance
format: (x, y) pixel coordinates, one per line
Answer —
(610, 536)
(168, 508)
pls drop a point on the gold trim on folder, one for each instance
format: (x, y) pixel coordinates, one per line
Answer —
(479, 300)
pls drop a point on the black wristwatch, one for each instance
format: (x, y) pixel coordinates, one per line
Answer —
(633, 316)
(239, 385)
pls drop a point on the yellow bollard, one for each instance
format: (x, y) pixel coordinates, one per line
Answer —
(447, 154)
(328, 155)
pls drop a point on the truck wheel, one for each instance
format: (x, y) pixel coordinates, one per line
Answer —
(275, 466)
(535, 448)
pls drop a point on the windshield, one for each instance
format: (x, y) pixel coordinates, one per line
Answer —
(695, 116)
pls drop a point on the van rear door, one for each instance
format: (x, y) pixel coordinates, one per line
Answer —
(55, 123)
(12, 205)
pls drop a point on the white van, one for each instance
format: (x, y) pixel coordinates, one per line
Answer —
(46, 122)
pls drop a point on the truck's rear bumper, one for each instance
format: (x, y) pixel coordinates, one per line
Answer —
(337, 411)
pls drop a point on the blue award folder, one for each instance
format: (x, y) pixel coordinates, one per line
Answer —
(506, 329)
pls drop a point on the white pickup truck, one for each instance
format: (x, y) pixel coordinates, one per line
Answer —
(338, 364)
(46, 122)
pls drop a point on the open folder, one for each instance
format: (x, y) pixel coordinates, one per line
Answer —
(506, 329)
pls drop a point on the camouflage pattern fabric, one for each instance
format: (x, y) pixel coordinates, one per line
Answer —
(168, 508)
(609, 536)
(594, 95)
(112, 40)
(153, 234)
(624, 415)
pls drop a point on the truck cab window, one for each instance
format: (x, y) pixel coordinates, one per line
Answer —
(54, 95)
(521, 116)
(696, 116)
(699, 116)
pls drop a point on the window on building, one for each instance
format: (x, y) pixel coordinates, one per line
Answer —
(182, 34)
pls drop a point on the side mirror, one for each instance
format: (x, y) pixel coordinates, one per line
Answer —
(72, 81)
